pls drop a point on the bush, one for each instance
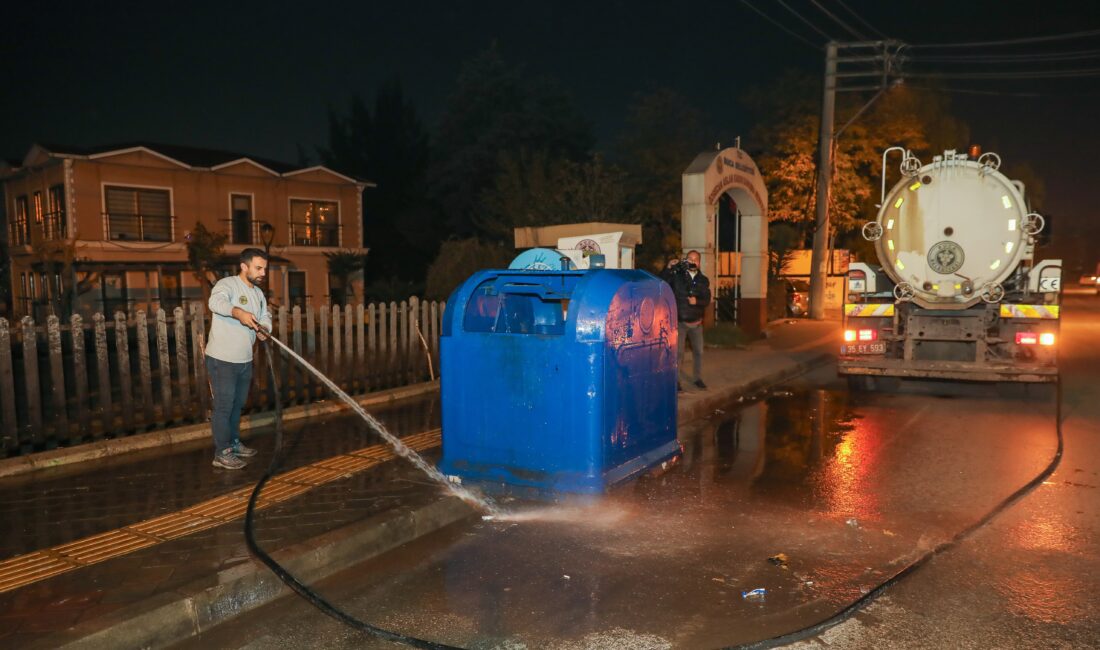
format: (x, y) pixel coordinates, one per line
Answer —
(725, 335)
(459, 259)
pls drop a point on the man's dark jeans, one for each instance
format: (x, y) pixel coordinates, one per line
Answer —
(230, 382)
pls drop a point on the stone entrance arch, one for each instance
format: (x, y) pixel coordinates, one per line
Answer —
(710, 176)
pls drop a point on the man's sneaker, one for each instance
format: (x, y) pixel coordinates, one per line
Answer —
(228, 460)
(241, 451)
(699, 383)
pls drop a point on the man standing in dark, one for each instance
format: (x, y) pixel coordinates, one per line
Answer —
(240, 314)
(692, 291)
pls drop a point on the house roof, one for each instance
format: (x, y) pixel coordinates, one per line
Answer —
(186, 156)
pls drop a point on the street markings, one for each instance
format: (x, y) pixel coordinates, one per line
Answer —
(29, 568)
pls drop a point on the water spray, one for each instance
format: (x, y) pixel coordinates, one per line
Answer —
(481, 503)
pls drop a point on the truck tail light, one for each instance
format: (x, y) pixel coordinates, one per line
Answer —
(1027, 338)
(865, 336)
(1046, 338)
(849, 336)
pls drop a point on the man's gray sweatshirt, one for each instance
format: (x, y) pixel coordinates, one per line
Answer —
(229, 339)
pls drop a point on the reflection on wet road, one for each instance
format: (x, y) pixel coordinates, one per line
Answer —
(848, 487)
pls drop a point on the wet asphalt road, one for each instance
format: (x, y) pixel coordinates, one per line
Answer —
(849, 487)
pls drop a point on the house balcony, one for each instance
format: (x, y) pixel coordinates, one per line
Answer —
(139, 227)
(314, 234)
(51, 227)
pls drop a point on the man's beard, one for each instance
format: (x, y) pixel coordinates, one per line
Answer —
(256, 280)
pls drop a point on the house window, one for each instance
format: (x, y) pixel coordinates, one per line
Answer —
(138, 214)
(241, 226)
(56, 223)
(296, 289)
(21, 234)
(314, 223)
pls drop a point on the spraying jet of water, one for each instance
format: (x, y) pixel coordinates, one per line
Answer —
(399, 447)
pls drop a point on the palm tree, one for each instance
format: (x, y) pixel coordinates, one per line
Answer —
(343, 265)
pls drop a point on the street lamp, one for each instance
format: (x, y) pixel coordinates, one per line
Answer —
(267, 235)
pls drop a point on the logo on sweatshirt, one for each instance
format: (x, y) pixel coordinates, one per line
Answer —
(244, 300)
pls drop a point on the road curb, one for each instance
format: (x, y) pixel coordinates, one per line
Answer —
(21, 465)
(171, 617)
(705, 407)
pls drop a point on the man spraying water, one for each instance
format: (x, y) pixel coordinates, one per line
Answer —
(240, 314)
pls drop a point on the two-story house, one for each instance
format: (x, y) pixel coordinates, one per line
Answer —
(131, 208)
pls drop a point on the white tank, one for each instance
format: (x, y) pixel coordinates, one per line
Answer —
(952, 231)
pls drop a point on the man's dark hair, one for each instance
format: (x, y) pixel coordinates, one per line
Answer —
(248, 253)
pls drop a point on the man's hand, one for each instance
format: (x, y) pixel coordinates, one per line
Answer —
(691, 300)
(246, 318)
(260, 335)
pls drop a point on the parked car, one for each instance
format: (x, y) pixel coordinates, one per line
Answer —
(798, 297)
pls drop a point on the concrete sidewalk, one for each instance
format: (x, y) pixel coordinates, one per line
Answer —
(167, 589)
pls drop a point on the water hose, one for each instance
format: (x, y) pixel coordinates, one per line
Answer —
(866, 599)
(281, 572)
(812, 630)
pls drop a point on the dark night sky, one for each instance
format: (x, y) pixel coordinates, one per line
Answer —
(259, 77)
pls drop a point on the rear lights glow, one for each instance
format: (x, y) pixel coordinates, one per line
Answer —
(1033, 338)
(863, 336)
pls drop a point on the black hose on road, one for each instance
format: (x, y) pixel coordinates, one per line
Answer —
(866, 599)
(288, 578)
(813, 630)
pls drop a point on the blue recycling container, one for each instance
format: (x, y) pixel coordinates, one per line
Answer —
(563, 381)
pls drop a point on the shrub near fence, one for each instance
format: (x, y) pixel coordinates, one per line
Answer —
(63, 384)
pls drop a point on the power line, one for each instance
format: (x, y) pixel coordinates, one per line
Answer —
(781, 26)
(861, 19)
(1047, 74)
(805, 20)
(1009, 58)
(838, 21)
(1015, 41)
(1001, 93)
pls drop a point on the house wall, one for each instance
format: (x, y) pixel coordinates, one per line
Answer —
(197, 195)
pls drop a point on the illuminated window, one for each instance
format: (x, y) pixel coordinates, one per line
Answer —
(314, 223)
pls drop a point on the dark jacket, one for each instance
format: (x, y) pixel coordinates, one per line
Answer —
(684, 286)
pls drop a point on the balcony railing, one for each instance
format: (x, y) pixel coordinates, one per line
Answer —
(313, 234)
(51, 227)
(139, 227)
(249, 232)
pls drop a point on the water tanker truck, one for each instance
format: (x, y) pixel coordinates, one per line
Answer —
(957, 293)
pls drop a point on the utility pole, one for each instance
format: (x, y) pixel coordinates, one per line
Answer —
(882, 62)
(818, 263)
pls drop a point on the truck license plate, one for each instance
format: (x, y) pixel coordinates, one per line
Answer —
(878, 347)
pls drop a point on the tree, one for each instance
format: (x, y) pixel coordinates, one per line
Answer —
(786, 137)
(538, 189)
(58, 259)
(204, 252)
(663, 134)
(343, 265)
(389, 147)
(495, 109)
